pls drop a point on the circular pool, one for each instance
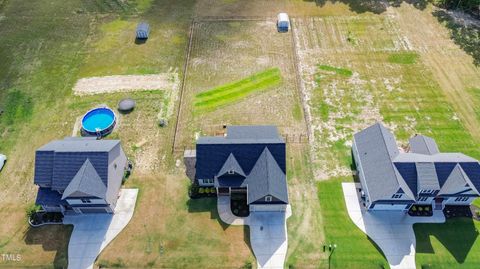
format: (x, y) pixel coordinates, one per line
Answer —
(99, 121)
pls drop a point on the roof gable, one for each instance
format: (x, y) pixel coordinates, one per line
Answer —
(230, 167)
(266, 178)
(455, 182)
(443, 170)
(423, 145)
(86, 182)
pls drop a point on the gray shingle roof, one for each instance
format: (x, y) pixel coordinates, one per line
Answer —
(436, 158)
(231, 164)
(266, 178)
(455, 182)
(427, 177)
(376, 148)
(86, 182)
(386, 169)
(423, 145)
(248, 134)
(80, 144)
(57, 162)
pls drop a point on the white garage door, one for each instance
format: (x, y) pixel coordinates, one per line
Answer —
(268, 207)
(389, 207)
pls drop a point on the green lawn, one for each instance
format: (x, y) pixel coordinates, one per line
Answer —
(454, 244)
(232, 92)
(354, 249)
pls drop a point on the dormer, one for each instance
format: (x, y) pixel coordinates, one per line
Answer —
(231, 168)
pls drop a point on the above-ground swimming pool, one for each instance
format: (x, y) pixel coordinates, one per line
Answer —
(99, 121)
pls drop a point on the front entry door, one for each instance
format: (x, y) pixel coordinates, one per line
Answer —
(223, 191)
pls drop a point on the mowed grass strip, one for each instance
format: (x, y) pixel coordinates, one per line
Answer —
(403, 58)
(339, 71)
(232, 92)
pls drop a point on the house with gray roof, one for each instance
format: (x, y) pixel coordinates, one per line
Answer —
(394, 179)
(79, 175)
(249, 160)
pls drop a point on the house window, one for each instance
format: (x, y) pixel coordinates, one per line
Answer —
(461, 199)
(208, 181)
(396, 196)
(86, 201)
(268, 198)
(423, 199)
(427, 191)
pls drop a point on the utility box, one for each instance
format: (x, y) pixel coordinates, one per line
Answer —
(283, 22)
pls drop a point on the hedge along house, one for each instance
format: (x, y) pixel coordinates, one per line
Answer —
(250, 160)
(79, 175)
(395, 180)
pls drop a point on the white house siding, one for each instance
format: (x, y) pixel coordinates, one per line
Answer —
(428, 201)
(52, 208)
(92, 201)
(203, 183)
(389, 207)
(451, 201)
(274, 207)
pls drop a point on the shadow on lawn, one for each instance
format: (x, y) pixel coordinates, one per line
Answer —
(208, 204)
(374, 6)
(466, 36)
(52, 238)
(457, 235)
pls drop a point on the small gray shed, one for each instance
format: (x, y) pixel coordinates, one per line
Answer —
(143, 29)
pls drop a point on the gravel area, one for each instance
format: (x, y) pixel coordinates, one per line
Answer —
(110, 84)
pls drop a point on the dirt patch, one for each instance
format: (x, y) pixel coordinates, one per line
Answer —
(110, 84)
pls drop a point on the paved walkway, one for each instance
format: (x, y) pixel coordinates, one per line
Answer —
(268, 233)
(392, 231)
(93, 232)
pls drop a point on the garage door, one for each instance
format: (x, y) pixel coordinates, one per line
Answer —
(268, 207)
(93, 210)
(389, 207)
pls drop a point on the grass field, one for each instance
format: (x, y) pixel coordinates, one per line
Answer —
(354, 249)
(225, 54)
(454, 244)
(233, 92)
(357, 67)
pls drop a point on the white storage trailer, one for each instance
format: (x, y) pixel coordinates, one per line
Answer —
(283, 22)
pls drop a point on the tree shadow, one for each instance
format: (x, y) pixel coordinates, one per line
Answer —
(52, 238)
(457, 235)
(465, 36)
(374, 6)
(208, 204)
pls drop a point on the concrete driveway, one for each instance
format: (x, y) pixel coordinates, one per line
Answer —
(93, 232)
(268, 233)
(392, 231)
(268, 238)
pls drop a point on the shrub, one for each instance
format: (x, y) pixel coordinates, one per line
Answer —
(201, 190)
(213, 190)
(414, 208)
(420, 208)
(247, 265)
(31, 209)
(207, 190)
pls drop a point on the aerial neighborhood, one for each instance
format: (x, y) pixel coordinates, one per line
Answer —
(239, 134)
